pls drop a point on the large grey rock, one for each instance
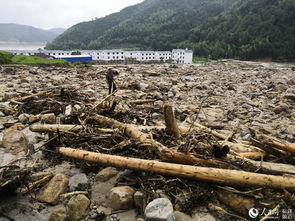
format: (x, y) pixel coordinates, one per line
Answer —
(76, 180)
(160, 209)
(78, 207)
(121, 198)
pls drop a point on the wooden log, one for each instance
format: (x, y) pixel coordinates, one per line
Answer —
(267, 148)
(170, 121)
(64, 127)
(271, 141)
(22, 99)
(162, 151)
(252, 155)
(215, 175)
(142, 101)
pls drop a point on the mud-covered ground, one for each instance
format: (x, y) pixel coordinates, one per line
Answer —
(230, 97)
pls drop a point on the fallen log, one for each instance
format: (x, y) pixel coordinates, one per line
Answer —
(22, 99)
(220, 176)
(139, 102)
(162, 151)
(64, 127)
(170, 121)
(271, 141)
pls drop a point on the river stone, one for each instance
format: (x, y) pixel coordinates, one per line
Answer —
(106, 174)
(160, 209)
(78, 207)
(13, 138)
(59, 214)
(76, 180)
(57, 186)
(121, 198)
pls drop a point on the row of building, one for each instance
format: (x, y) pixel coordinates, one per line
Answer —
(181, 56)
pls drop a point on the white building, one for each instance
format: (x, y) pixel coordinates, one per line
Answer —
(181, 56)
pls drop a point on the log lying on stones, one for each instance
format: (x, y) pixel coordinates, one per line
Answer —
(266, 140)
(64, 127)
(25, 98)
(162, 151)
(215, 175)
(170, 121)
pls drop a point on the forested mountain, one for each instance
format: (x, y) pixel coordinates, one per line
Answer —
(152, 24)
(245, 29)
(23, 33)
(251, 29)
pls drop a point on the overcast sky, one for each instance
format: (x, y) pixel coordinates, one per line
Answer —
(58, 13)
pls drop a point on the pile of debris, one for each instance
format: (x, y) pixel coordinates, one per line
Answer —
(190, 142)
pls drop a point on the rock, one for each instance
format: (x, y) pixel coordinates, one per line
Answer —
(282, 108)
(106, 174)
(142, 86)
(77, 180)
(57, 186)
(138, 199)
(24, 118)
(49, 118)
(121, 198)
(179, 216)
(160, 209)
(68, 110)
(13, 138)
(203, 217)
(33, 137)
(170, 94)
(290, 96)
(78, 207)
(59, 215)
(129, 215)
(6, 109)
(2, 114)
(158, 103)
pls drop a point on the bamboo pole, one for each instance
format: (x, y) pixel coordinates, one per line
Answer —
(170, 121)
(220, 176)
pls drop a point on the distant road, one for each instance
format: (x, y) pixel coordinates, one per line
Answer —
(21, 46)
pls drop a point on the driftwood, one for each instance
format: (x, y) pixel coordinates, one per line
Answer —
(271, 141)
(164, 153)
(170, 121)
(22, 99)
(215, 175)
(64, 127)
(139, 102)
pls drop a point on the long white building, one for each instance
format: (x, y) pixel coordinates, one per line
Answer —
(180, 56)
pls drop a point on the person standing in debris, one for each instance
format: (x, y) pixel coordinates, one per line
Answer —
(111, 81)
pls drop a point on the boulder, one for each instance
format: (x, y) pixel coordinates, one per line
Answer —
(57, 186)
(121, 198)
(160, 209)
(78, 207)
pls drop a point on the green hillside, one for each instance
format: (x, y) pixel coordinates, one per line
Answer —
(244, 29)
(23, 33)
(152, 24)
(251, 29)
